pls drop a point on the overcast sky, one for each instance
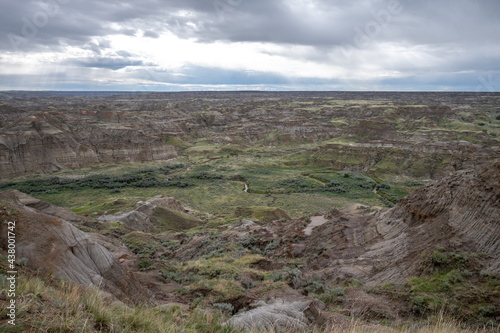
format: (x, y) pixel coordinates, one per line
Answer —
(250, 44)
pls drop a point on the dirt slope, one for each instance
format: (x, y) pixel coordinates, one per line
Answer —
(460, 213)
(55, 246)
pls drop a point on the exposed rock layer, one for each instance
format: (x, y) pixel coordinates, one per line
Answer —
(422, 134)
(459, 212)
(157, 215)
(55, 245)
(44, 143)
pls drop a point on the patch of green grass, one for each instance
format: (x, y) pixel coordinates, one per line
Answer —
(60, 306)
(167, 219)
(437, 283)
(177, 142)
(220, 289)
(226, 266)
(261, 213)
(214, 186)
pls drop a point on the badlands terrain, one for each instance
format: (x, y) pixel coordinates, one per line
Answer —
(251, 211)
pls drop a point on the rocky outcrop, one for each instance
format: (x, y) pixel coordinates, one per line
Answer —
(459, 213)
(48, 208)
(157, 215)
(43, 143)
(395, 133)
(55, 246)
(430, 160)
(278, 317)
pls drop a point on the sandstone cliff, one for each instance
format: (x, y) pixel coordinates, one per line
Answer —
(43, 142)
(420, 135)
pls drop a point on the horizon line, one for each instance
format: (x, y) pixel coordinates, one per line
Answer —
(251, 90)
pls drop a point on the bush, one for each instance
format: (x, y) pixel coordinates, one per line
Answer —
(227, 307)
(384, 186)
(22, 262)
(271, 246)
(451, 260)
(144, 264)
(438, 258)
(332, 296)
(144, 178)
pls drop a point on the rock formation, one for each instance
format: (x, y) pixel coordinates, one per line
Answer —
(391, 133)
(460, 212)
(278, 317)
(55, 246)
(157, 215)
(43, 143)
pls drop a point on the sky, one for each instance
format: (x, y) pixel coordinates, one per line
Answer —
(276, 45)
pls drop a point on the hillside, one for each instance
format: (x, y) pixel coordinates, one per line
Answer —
(220, 212)
(420, 134)
(434, 249)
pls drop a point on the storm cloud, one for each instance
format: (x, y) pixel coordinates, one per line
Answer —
(250, 44)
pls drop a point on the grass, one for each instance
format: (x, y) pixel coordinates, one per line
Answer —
(208, 184)
(57, 306)
(226, 265)
(450, 282)
(260, 213)
(220, 289)
(168, 219)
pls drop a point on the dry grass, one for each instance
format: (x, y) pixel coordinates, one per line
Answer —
(53, 305)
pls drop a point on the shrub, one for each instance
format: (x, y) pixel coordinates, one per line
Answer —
(22, 262)
(438, 258)
(144, 264)
(272, 245)
(331, 296)
(384, 186)
(227, 307)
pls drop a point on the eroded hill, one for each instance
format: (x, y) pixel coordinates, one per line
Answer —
(437, 249)
(252, 204)
(419, 134)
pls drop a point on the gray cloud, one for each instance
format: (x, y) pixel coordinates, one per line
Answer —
(452, 36)
(325, 23)
(105, 62)
(151, 34)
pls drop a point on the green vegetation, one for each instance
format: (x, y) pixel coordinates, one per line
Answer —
(167, 219)
(212, 185)
(357, 151)
(59, 306)
(264, 214)
(453, 283)
(141, 179)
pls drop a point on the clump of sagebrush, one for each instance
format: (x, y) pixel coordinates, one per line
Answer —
(454, 282)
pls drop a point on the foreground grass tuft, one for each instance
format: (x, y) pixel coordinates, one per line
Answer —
(54, 305)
